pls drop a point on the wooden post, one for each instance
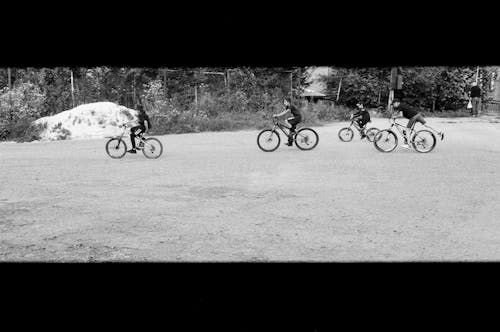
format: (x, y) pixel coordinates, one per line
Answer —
(10, 93)
(72, 90)
(165, 83)
(338, 91)
(477, 75)
(196, 95)
(391, 98)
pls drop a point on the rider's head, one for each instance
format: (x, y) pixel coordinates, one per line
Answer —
(396, 102)
(139, 107)
(474, 84)
(286, 102)
(359, 105)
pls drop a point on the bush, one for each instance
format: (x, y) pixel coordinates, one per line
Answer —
(24, 130)
(23, 101)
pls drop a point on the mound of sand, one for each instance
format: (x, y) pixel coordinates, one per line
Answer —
(95, 120)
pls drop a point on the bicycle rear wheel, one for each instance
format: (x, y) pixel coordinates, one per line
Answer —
(346, 134)
(116, 148)
(306, 139)
(152, 148)
(423, 141)
(385, 141)
(268, 140)
(370, 134)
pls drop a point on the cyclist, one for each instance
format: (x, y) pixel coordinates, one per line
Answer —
(291, 122)
(409, 112)
(362, 117)
(140, 129)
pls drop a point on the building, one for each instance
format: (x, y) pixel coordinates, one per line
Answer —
(316, 89)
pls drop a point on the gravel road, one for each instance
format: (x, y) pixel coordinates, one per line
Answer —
(217, 197)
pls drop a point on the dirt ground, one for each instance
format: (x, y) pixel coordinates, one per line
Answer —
(217, 197)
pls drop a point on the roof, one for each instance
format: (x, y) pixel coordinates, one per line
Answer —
(312, 93)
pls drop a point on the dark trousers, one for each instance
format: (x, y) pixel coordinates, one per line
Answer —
(475, 105)
(415, 119)
(294, 122)
(134, 132)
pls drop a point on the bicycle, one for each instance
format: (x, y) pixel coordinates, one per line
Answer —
(423, 141)
(116, 147)
(346, 134)
(269, 140)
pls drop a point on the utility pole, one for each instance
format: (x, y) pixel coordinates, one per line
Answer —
(196, 95)
(165, 82)
(72, 90)
(338, 91)
(477, 75)
(10, 93)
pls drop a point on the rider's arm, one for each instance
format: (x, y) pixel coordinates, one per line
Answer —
(282, 113)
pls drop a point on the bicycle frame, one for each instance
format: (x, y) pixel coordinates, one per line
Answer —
(282, 127)
(126, 130)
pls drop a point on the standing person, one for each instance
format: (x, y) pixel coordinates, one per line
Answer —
(292, 121)
(475, 95)
(411, 113)
(140, 129)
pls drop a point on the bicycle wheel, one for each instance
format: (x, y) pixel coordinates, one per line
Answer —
(370, 134)
(385, 140)
(423, 141)
(116, 148)
(268, 140)
(346, 134)
(152, 148)
(306, 139)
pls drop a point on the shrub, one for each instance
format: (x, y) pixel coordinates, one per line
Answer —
(24, 130)
(25, 100)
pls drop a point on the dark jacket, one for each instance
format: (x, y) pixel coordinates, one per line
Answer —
(143, 117)
(475, 92)
(295, 111)
(408, 111)
(365, 115)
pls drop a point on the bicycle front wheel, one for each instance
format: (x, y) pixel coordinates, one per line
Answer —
(423, 141)
(385, 141)
(152, 148)
(268, 140)
(116, 148)
(346, 134)
(370, 133)
(306, 139)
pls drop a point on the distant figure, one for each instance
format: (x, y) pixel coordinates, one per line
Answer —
(475, 95)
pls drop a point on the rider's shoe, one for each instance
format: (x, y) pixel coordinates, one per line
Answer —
(363, 136)
(289, 144)
(132, 151)
(406, 146)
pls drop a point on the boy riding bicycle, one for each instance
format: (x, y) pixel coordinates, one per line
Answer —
(409, 112)
(291, 122)
(361, 117)
(140, 129)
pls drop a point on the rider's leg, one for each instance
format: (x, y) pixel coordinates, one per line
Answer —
(409, 128)
(133, 135)
(361, 127)
(293, 125)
